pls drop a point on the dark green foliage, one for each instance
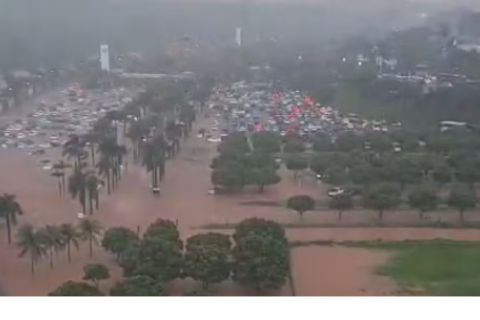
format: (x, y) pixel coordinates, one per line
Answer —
(259, 225)
(138, 286)
(154, 257)
(263, 177)
(266, 141)
(261, 261)
(301, 204)
(381, 197)
(95, 272)
(341, 203)
(296, 163)
(462, 199)
(424, 199)
(294, 145)
(207, 258)
(164, 229)
(117, 240)
(335, 175)
(75, 289)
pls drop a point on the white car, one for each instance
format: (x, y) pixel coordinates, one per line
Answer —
(336, 191)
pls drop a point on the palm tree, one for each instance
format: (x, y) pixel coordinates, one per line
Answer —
(77, 187)
(30, 242)
(109, 149)
(52, 240)
(90, 230)
(59, 175)
(70, 236)
(9, 209)
(92, 190)
(153, 159)
(136, 132)
(60, 167)
(104, 167)
(73, 148)
(91, 139)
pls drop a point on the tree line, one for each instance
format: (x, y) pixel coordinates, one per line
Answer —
(257, 259)
(382, 169)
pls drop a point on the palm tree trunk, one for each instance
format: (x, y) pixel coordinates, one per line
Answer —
(90, 202)
(90, 245)
(154, 177)
(32, 262)
(84, 209)
(69, 251)
(9, 230)
(340, 212)
(63, 183)
(97, 202)
(59, 188)
(92, 154)
(51, 259)
(109, 183)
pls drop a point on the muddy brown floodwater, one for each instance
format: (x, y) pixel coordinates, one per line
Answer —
(339, 271)
(317, 271)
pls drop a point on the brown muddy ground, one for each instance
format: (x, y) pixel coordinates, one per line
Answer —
(184, 198)
(339, 271)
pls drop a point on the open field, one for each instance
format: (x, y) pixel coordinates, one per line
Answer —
(184, 199)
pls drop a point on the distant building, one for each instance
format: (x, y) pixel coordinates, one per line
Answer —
(104, 58)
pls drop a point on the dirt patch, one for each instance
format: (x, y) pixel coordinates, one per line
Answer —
(339, 271)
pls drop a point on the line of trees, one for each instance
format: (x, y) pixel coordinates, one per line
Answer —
(257, 259)
(48, 241)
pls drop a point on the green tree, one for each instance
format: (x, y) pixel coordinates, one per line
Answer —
(155, 257)
(468, 172)
(164, 229)
(296, 163)
(9, 209)
(347, 142)
(301, 204)
(262, 177)
(335, 175)
(117, 239)
(261, 226)
(442, 173)
(321, 162)
(138, 286)
(322, 143)
(364, 174)
(95, 273)
(381, 197)
(266, 141)
(70, 236)
(462, 199)
(231, 176)
(91, 231)
(207, 258)
(294, 145)
(341, 203)
(30, 243)
(380, 143)
(75, 289)
(424, 199)
(261, 261)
